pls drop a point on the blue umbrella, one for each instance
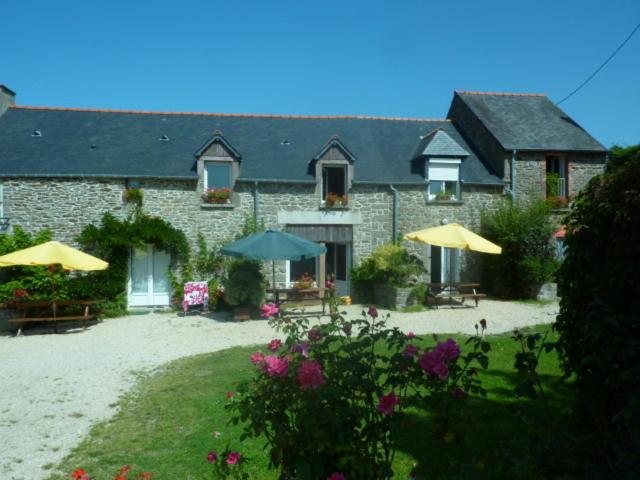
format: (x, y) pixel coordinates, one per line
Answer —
(274, 245)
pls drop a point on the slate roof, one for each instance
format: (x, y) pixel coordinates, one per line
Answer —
(528, 122)
(439, 144)
(92, 143)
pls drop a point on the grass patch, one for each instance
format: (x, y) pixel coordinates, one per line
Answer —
(167, 424)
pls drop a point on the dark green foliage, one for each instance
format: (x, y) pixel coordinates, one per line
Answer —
(38, 282)
(250, 226)
(245, 285)
(528, 258)
(113, 241)
(134, 195)
(599, 321)
(389, 264)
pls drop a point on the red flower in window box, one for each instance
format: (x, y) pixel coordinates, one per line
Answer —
(335, 200)
(217, 195)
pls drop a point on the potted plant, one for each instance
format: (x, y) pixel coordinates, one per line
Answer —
(245, 286)
(445, 196)
(133, 195)
(335, 200)
(305, 281)
(217, 195)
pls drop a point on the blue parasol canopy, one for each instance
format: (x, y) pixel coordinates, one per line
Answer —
(274, 245)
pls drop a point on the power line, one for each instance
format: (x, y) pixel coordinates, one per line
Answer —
(601, 66)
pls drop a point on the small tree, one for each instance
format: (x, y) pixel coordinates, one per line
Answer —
(524, 232)
(245, 284)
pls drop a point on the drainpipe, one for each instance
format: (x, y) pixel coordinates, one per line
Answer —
(513, 174)
(395, 214)
(255, 202)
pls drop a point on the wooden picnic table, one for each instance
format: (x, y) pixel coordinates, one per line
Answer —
(439, 291)
(53, 311)
(301, 296)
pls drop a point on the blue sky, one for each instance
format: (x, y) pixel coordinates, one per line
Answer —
(389, 58)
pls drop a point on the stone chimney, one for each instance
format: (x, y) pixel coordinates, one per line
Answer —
(7, 98)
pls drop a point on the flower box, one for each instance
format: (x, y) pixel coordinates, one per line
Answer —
(217, 195)
(333, 200)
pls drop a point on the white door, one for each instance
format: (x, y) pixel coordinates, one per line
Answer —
(149, 278)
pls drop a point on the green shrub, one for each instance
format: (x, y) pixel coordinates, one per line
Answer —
(391, 264)
(599, 323)
(37, 282)
(524, 231)
(113, 241)
(245, 284)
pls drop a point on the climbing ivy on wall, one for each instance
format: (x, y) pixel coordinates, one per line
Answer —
(113, 241)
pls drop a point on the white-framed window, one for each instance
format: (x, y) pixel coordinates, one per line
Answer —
(218, 174)
(443, 180)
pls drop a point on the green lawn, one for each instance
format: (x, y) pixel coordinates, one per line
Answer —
(166, 425)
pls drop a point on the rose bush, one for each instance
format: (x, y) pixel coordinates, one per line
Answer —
(330, 399)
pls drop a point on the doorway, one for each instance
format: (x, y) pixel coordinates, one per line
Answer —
(338, 266)
(149, 278)
(445, 265)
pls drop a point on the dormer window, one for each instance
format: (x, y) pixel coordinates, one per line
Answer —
(334, 172)
(443, 180)
(218, 168)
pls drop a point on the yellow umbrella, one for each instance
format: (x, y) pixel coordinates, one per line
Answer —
(452, 235)
(51, 253)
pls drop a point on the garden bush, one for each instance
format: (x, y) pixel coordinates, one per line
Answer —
(528, 259)
(245, 284)
(330, 399)
(390, 264)
(599, 321)
(29, 283)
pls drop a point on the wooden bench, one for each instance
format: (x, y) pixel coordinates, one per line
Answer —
(301, 296)
(439, 291)
(53, 312)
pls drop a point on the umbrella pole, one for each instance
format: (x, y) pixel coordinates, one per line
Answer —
(273, 274)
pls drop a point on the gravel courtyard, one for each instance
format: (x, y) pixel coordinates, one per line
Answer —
(55, 387)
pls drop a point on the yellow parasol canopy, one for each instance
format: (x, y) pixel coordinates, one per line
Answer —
(51, 253)
(452, 235)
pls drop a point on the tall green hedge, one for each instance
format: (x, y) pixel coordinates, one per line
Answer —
(599, 321)
(524, 231)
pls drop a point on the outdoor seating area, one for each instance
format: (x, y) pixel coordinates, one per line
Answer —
(53, 312)
(301, 297)
(453, 294)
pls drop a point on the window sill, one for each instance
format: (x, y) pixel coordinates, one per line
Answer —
(341, 208)
(217, 206)
(445, 202)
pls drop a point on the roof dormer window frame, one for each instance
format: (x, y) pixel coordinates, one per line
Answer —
(334, 165)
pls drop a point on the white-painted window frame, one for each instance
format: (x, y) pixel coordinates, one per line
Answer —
(443, 161)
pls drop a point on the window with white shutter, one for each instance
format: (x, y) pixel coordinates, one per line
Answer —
(444, 180)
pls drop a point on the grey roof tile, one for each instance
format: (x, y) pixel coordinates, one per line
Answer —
(529, 122)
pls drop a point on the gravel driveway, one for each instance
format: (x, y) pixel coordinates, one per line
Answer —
(55, 387)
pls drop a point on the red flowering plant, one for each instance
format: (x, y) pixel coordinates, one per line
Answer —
(330, 398)
(335, 200)
(217, 195)
(125, 473)
(228, 463)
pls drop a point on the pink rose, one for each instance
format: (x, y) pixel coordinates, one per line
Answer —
(336, 476)
(411, 335)
(302, 348)
(212, 457)
(433, 363)
(315, 335)
(373, 312)
(275, 344)
(276, 366)
(257, 358)
(233, 458)
(410, 351)
(310, 375)
(388, 403)
(483, 324)
(269, 310)
(449, 350)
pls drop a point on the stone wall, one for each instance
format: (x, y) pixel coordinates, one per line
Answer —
(66, 206)
(531, 172)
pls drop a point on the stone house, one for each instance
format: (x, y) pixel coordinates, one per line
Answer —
(350, 182)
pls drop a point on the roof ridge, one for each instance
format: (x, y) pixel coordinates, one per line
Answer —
(504, 94)
(244, 115)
